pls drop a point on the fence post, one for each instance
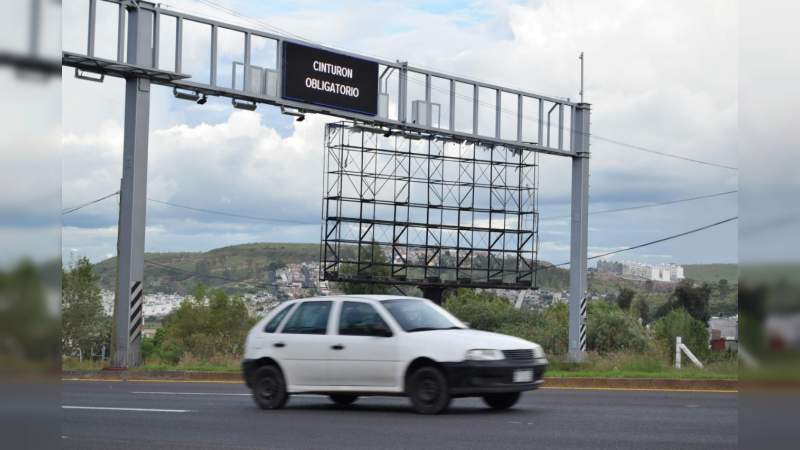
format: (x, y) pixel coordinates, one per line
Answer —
(678, 352)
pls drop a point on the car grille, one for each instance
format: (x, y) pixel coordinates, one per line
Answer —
(519, 355)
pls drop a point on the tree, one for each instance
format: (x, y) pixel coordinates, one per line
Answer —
(694, 299)
(678, 322)
(641, 309)
(625, 298)
(609, 329)
(84, 323)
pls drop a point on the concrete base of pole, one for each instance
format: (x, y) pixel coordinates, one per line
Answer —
(576, 356)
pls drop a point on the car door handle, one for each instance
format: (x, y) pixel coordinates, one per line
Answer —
(337, 347)
(279, 344)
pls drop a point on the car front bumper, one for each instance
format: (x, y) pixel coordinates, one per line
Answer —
(489, 377)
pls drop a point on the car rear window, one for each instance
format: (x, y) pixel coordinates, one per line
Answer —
(309, 318)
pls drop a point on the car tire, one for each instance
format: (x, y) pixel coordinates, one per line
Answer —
(269, 388)
(343, 399)
(428, 390)
(502, 401)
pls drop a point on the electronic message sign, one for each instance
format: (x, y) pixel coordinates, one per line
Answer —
(320, 77)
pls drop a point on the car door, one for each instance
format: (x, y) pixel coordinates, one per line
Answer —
(302, 345)
(364, 347)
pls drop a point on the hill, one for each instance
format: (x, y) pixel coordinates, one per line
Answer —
(235, 269)
(712, 273)
(246, 268)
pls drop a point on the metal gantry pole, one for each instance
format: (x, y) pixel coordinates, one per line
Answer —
(579, 232)
(128, 307)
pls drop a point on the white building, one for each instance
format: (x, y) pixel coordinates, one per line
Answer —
(657, 272)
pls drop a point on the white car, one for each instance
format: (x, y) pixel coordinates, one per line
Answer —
(350, 346)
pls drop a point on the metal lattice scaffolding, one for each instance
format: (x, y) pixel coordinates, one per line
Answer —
(420, 209)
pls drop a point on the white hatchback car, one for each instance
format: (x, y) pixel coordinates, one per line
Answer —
(350, 346)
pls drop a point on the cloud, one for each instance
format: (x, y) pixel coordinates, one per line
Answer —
(659, 74)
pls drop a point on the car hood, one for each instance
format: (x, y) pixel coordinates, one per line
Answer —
(467, 339)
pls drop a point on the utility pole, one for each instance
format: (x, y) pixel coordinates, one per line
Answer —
(128, 311)
(579, 232)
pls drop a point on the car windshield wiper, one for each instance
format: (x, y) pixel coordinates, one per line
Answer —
(432, 329)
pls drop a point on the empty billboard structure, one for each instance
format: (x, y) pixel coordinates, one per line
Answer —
(419, 209)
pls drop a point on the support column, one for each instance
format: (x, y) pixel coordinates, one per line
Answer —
(433, 293)
(579, 232)
(128, 306)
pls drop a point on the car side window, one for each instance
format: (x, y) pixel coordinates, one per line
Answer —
(272, 325)
(361, 319)
(309, 318)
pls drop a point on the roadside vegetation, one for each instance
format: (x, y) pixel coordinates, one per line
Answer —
(628, 336)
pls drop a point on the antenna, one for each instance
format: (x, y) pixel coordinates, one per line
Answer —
(581, 92)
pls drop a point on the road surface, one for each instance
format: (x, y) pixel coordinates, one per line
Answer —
(177, 415)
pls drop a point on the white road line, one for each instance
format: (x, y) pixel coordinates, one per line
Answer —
(240, 395)
(108, 408)
(187, 393)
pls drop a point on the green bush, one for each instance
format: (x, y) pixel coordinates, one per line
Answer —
(548, 328)
(481, 310)
(678, 322)
(210, 324)
(486, 311)
(609, 329)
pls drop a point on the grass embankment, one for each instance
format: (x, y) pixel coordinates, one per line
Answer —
(596, 366)
(622, 365)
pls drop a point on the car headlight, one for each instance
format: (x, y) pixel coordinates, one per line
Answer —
(482, 354)
(538, 352)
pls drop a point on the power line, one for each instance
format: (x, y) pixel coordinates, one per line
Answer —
(71, 210)
(649, 205)
(193, 208)
(230, 214)
(466, 97)
(657, 241)
(656, 152)
(193, 273)
(298, 222)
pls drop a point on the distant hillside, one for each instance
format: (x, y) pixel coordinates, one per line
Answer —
(712, 273)
(250, 266)
(246, 268)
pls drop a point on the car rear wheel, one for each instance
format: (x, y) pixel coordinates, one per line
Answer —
(269, 388)
(502, 401)
(343, 399)
(429, 391)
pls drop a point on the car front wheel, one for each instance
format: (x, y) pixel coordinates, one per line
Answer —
(502, 401)
(343, 399)
(429, 391)
(269, 388)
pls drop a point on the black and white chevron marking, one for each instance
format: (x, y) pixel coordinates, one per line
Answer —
(583, 325)
(136, 317)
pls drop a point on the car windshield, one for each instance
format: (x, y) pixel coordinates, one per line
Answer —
(418, 315)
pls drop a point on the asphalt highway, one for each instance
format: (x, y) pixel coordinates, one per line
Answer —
(178, 415)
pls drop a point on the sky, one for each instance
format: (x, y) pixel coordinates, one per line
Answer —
(659, 75)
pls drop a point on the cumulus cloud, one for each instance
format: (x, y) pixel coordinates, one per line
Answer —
(660, 75)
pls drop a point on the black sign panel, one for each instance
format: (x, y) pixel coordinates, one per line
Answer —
(324, 78)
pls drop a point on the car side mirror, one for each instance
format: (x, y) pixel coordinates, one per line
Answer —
(380, 330)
